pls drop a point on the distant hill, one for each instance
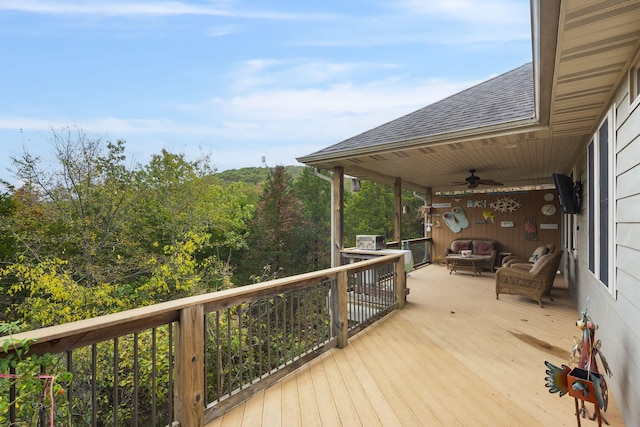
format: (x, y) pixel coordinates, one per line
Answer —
(254, 175)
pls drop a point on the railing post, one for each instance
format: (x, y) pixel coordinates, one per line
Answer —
(189, 394)
(340, 303)
(401, 282)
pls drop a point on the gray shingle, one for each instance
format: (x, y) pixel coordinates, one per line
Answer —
(504, 98)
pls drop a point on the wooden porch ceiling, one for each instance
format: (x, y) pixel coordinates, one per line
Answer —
(454, 356)
(582, 51)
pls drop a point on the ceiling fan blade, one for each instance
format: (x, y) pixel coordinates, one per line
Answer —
(489, 182)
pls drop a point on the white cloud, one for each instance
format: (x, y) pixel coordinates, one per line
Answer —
(150, 8)
(502, 12)
(298, 72)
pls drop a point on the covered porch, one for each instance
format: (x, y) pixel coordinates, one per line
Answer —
(453, 356)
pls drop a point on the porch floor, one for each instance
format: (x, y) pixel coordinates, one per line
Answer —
(454, 356)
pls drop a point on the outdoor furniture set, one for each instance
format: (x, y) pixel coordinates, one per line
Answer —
(472, 255)
(531, 277)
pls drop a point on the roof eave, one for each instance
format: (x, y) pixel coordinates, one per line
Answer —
(499, 129)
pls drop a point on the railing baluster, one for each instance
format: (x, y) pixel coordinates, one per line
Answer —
(219, 370)
(260, 352)
(136, 378)
(70, 384)
(116, 362)
(229, 357)
(171, 361)
(240, 349)
(154, 375)
(12, 397)
(94, 382)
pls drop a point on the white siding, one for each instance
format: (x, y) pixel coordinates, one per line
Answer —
(617, 315)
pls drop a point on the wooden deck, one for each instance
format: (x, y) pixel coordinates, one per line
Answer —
(454, 356)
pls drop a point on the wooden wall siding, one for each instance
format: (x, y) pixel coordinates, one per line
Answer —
(510, 239)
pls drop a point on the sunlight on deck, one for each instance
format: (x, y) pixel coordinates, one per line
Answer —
(454, 356)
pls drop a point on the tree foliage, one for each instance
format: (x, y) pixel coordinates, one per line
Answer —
(93, 236)
(275, 232)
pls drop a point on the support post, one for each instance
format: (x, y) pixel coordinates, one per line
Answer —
(342, 318)
(397, 228)
(338, 209)
(189, 392)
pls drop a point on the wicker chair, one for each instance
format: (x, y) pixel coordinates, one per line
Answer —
(531, 282)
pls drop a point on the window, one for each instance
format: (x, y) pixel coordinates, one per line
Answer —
(601, 219)
(634, 83)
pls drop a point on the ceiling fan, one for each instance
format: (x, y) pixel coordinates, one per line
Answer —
(472, 181)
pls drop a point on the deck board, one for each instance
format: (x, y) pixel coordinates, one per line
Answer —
(454, 356)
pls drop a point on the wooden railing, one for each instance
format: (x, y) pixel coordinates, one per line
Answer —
(187, 361)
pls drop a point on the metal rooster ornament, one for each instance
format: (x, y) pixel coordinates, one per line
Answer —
(585, 381)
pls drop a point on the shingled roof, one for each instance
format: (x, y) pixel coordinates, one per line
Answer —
(505, 98)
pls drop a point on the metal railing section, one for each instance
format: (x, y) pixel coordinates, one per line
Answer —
(187, 361)
(420, 248)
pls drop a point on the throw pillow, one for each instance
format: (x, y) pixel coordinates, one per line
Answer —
(538, 264)
(540, 250)
(485, 248)
(460, 245)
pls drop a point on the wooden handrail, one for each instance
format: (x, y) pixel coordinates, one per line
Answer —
(188, 318)
(60, 338)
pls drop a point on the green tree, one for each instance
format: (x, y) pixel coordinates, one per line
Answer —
(276, 231)
(368, 211)
(74, 212)
(315, 239)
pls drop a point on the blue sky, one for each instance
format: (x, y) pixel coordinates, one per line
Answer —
(238, 79)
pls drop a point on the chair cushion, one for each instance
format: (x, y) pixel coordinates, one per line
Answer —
(540, 250)
(538, 264)
(485, 248)
(460, 245)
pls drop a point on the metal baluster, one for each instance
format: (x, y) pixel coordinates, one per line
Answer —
(136, 378)
(260, 328)
(171, 352)
(116, 361)
(240, 349)
(154, 375)
(205, 359)
(218, 362)
(69, 385)
(229, 358)
(12, 397)
(94, 382)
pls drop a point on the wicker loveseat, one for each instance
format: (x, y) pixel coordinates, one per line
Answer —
(529, 281)
(478, 246)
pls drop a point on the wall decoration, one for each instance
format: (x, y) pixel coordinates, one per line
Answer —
(505, 204)
(476, 203)
(530, 228)
(548, 226)
(548, 209)
(451, 222)
(460, 217)
(479, 221)
(488, 215)
(440, 205)
(507, 224)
